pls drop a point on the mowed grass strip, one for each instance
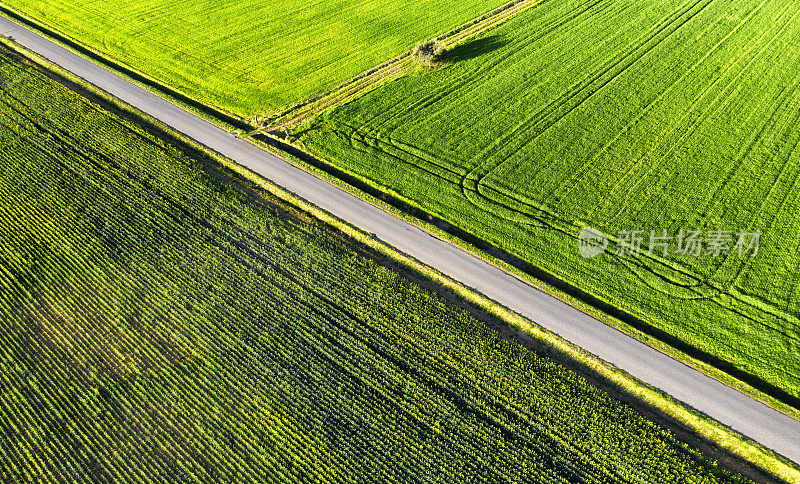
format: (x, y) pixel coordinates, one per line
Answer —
(663, 114)
(252, 57)
(159, 325)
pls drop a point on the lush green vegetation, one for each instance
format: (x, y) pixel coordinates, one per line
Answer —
(248, 56)
(664, 114)
(160, 320)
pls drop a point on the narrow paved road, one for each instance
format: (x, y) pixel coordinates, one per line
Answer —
(740, 412)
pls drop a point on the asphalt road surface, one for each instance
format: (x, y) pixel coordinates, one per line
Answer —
(734, 409)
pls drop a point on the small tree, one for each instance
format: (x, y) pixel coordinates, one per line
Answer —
(428, 52)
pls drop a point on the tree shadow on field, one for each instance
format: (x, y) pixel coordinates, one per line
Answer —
(474, 48)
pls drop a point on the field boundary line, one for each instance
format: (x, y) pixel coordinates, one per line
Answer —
(389, 70)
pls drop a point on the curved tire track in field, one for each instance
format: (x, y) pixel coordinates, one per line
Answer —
(578, 94)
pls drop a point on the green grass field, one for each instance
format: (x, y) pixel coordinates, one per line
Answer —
(620, 115)
(163, 321)
(252, 57)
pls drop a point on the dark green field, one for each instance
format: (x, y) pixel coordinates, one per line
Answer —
(619, 115)
(161, 321)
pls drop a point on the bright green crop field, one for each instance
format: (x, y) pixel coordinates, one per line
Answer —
(619, 115)
(163, 321)
(250, 56)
